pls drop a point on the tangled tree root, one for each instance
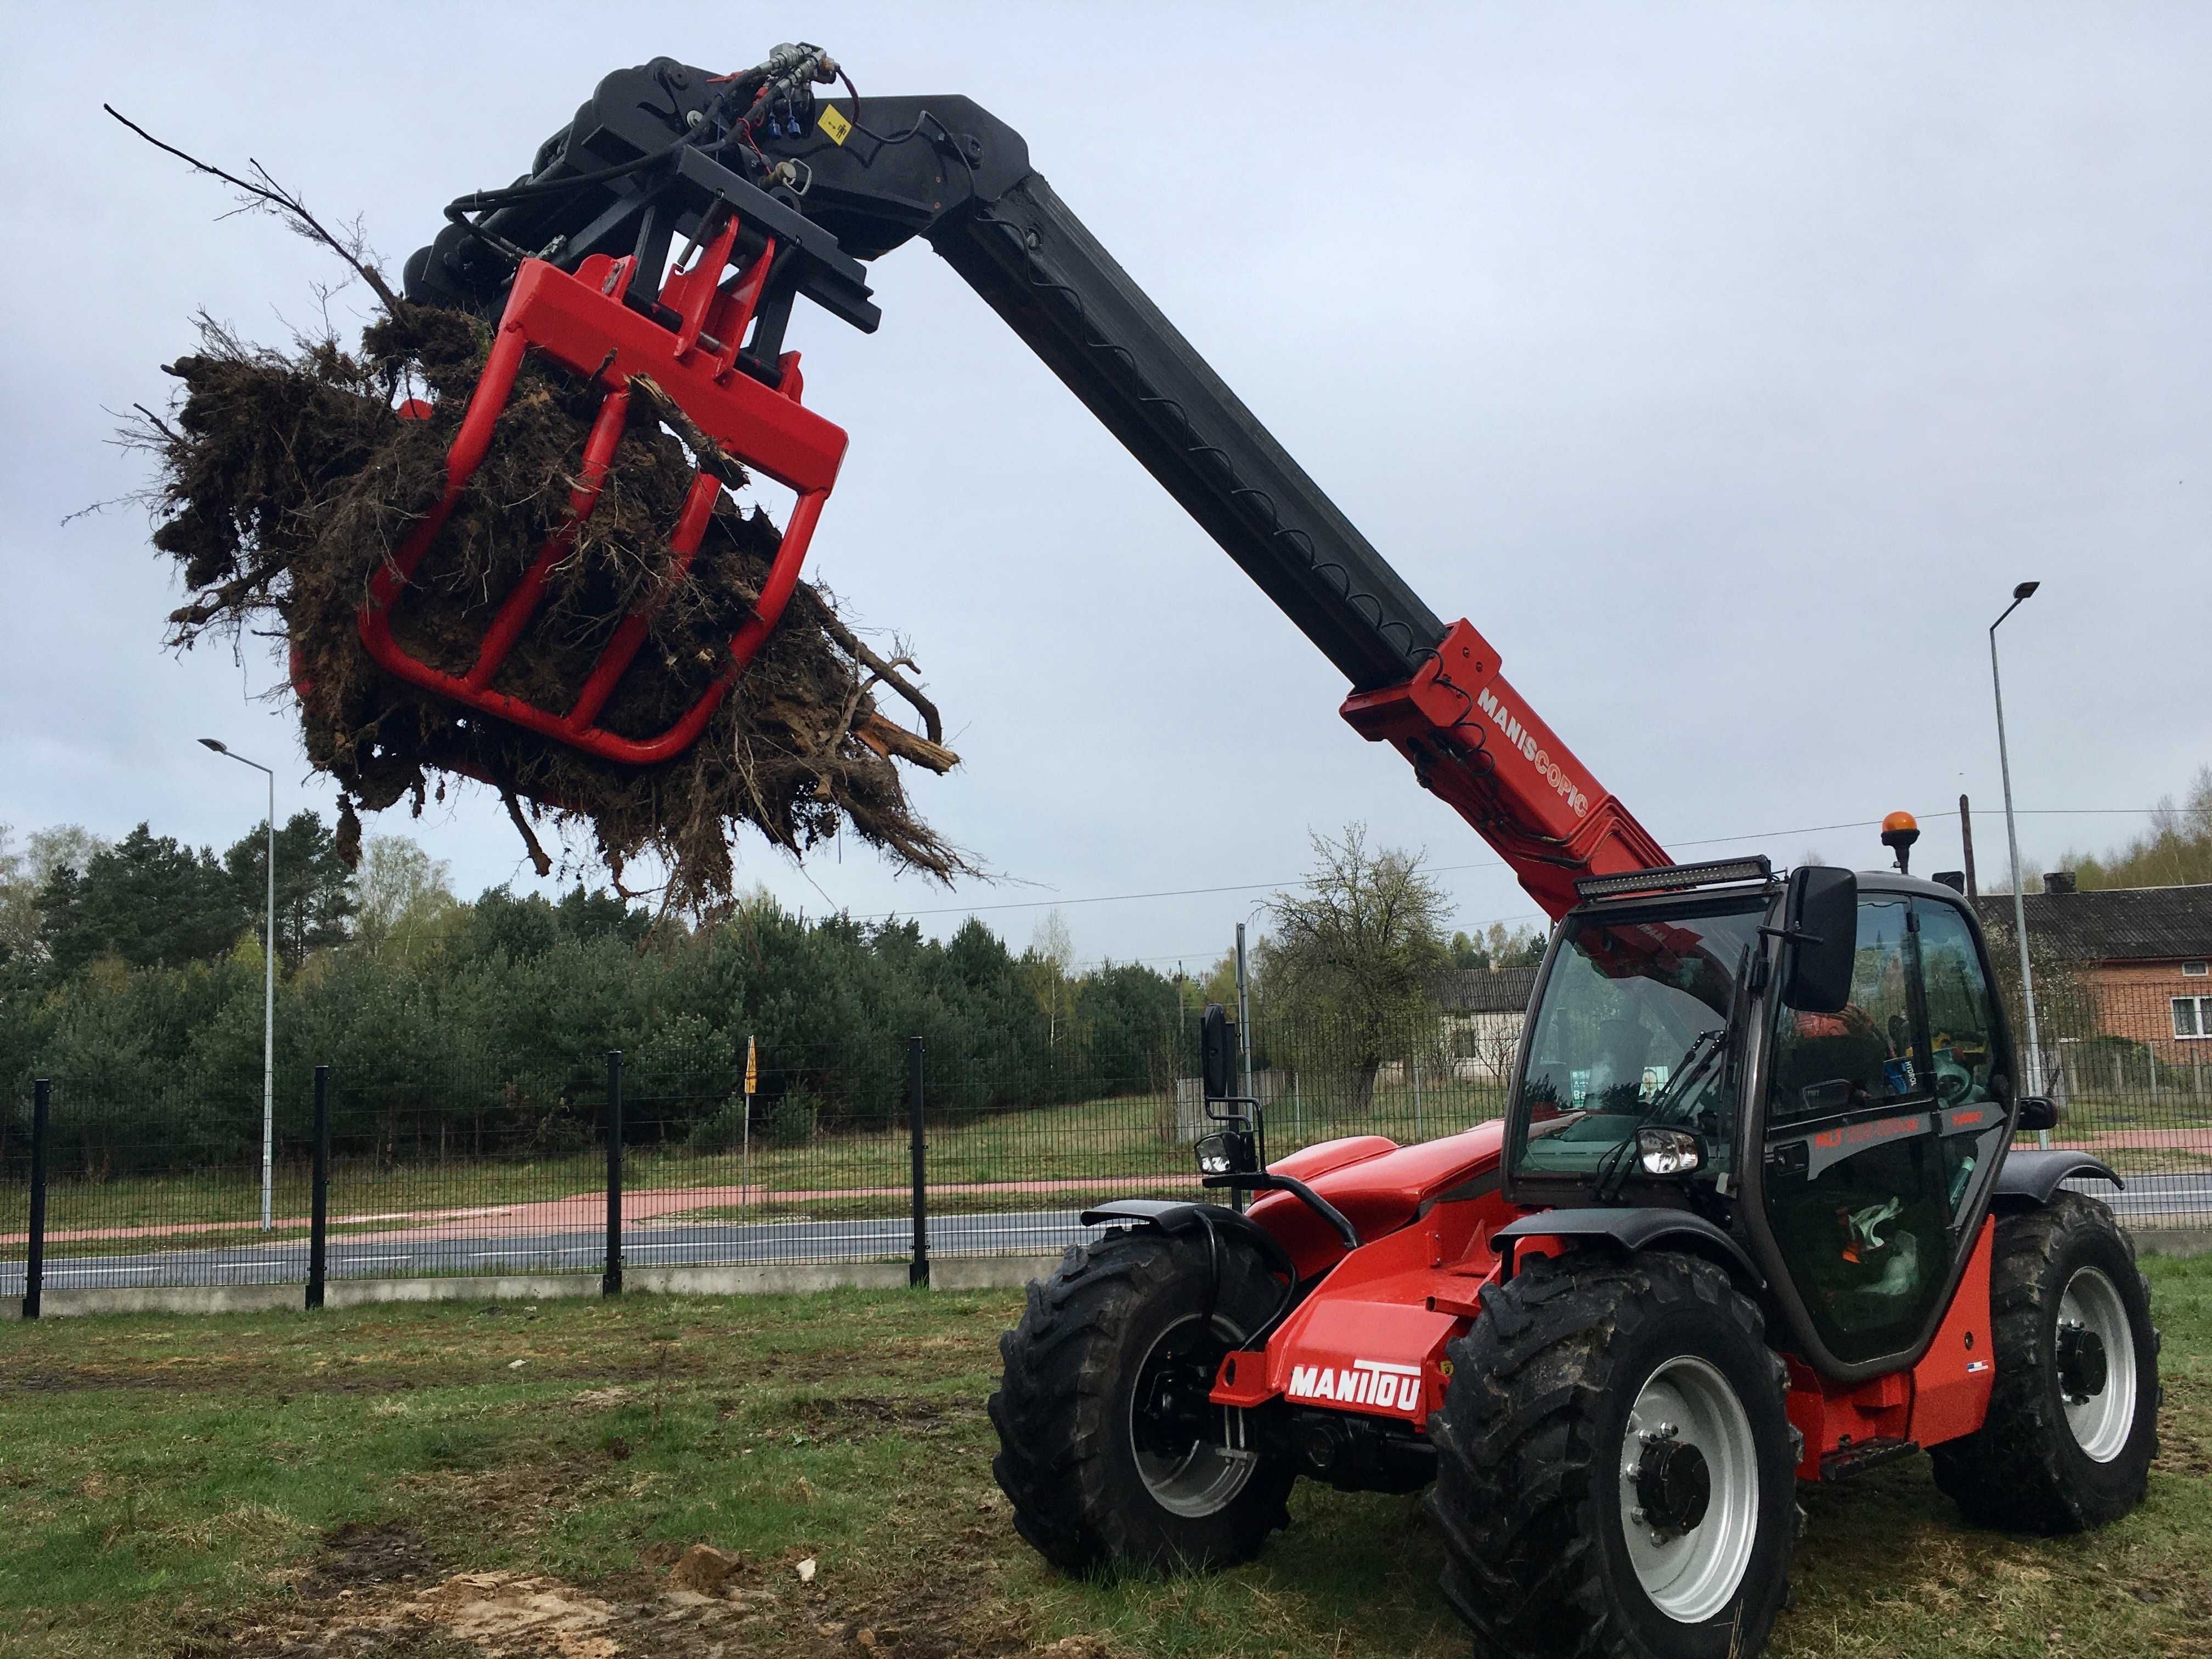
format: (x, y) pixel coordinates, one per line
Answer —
(286, 478)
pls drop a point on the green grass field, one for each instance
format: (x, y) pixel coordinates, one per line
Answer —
(454, 1481)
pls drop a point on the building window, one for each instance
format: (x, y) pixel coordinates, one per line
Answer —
(2192, 1016)
(2193, 969)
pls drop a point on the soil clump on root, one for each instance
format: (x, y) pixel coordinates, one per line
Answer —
(287, 478)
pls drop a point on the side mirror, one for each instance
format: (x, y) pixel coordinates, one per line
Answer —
(1820, 921)
(1228, 1151)
(2037, 1113)
(1218, 1052)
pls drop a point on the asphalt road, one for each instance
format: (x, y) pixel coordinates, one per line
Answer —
(560, 1252)
(2187, 1199)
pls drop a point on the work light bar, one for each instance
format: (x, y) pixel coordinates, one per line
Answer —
(1673, 876)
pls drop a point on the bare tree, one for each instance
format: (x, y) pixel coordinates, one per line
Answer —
(403, 891)
(1351, 956)
(1052, 954)
(24, 874)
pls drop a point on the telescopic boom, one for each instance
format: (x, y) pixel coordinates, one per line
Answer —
(823, 185)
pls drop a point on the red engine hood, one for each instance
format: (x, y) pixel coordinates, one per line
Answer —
(1378, 1184)
(1370, 1337)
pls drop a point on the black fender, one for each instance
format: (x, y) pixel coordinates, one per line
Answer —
(2028, 1180)
(1634, 1230)
(1182, 1216)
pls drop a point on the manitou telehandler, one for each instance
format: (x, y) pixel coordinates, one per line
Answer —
(1754, 1215)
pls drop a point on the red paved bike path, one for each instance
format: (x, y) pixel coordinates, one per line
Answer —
(585, 1210)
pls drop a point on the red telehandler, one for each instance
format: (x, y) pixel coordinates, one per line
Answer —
(1754, 1215)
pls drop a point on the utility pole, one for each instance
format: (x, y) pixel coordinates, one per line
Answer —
(2019, 595)
(1966, 840)
(268, 993)
(1243, 1011)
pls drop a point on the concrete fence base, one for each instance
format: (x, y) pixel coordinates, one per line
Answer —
(980, 1273)
(946, 1273)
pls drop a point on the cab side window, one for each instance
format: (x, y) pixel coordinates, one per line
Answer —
(1961, 1034)
(1962, 1042)
(1863, 1057)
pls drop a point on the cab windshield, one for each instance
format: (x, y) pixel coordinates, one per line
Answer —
(1635, 1029)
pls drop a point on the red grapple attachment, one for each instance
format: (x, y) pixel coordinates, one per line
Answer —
(583, 322)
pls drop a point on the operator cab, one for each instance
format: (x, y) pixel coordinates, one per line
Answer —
(1818, 1065)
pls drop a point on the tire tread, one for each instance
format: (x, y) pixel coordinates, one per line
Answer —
(2012, 1473)
(1516, 1455)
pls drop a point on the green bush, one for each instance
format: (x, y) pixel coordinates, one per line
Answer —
(790, 1119)
(722, 1130)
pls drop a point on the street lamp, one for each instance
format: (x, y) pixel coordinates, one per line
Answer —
(268, 992)
(2012, 838)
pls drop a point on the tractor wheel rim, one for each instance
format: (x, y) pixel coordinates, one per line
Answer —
(1206, 1479)
(1690, 1571)
(2101, 1422)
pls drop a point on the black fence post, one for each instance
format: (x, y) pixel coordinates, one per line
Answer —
(610, 1283)
(918, 1272)
(318, 1200)
(34, 1255)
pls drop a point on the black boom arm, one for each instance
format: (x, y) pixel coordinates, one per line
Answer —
(663, 150)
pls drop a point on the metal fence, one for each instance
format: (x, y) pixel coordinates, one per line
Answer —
(2129, 1060)
(716, 1154)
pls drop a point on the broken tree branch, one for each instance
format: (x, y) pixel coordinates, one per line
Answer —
(276, 199)
(538, 861)
(888, 673)
(711, 456)
(888, 737)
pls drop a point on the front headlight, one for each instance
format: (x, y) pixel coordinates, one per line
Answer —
(1668, 1152)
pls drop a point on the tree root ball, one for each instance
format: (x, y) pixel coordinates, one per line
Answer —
(287, 477)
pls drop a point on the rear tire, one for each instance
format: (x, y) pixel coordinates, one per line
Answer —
(1553, 1475)
(2070, 1310)
(1103, 1377)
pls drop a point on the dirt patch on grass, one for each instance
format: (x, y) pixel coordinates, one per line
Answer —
(372, 1595)
(862, 1418)
(2188, 1404)
(372, 1557)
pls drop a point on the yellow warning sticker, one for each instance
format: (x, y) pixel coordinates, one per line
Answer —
(834, 123)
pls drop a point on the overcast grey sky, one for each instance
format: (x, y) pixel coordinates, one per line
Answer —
(1726, 365)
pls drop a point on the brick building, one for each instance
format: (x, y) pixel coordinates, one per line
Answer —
(2144, 954)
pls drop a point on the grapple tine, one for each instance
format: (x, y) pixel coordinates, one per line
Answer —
(587, 323)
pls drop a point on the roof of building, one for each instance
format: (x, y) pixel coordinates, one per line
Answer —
(2113, 924)
(1483, 990)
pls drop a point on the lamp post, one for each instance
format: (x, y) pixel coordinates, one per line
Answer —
(2012, 839)
(268, 992)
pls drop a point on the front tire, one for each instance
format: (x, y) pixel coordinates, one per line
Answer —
(1615, 1471)
(1105, 1442)
(2072, 1425)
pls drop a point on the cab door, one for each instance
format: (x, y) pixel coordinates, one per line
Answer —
(1856, 1194)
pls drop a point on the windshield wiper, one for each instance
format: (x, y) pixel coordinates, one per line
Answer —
(1612, 1171)
(1700, 1053)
